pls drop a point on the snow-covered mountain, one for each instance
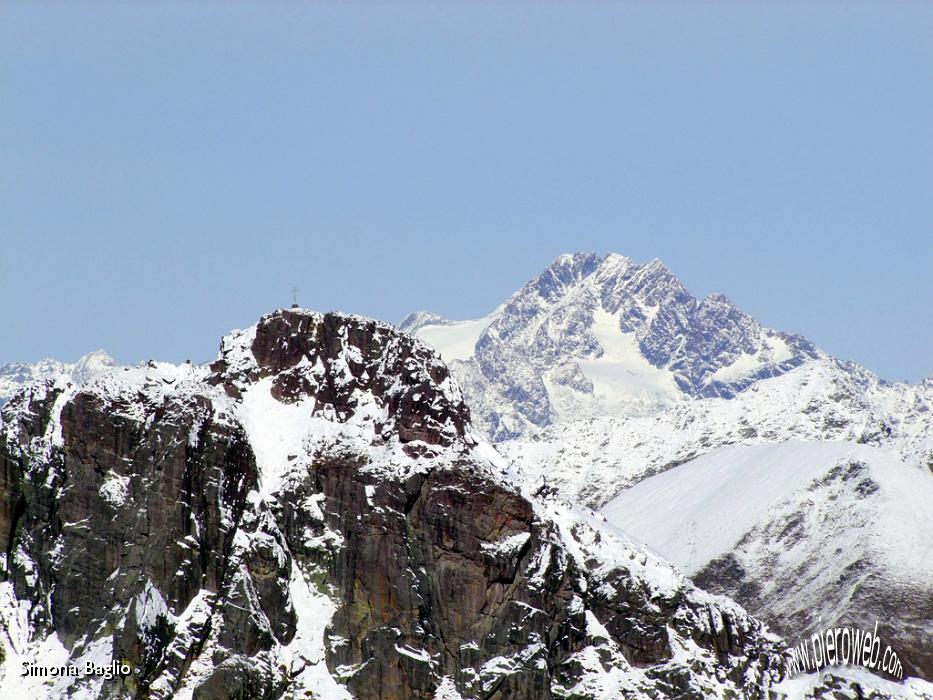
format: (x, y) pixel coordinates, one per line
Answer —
(16, 375)
(809, 535)
(607, 371)
(653, 461)
(592, 460)
(313, 515)
(331, 451)
(601, 373)
(596, 336)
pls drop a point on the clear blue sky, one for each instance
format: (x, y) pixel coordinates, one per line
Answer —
(169, 170)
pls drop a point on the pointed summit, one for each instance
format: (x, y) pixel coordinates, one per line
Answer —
(91, 365)
(597, 335)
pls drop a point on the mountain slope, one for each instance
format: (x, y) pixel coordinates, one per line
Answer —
(807, 535)
(312, 514)
(591, 461)
(601, 373)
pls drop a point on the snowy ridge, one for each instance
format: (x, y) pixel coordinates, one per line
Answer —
(711, 503)
(453, 340)
(808, 534)
(15, 375)
(593, 460)
(852, 683)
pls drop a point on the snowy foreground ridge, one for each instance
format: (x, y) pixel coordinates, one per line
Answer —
(313, 515)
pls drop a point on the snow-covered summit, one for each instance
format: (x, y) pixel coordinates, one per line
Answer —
(92, 365)
(604, 335)
(15, 375)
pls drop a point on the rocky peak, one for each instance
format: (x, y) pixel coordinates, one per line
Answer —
(607, 335)
(350, 369)
(91, 365)
(648, 285)
(308, 516)
(561, 275)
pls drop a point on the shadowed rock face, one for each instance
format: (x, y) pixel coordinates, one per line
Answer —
(136, 517)
(419, 575)
(413, 575)
(81, 552)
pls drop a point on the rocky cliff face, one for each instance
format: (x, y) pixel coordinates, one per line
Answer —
(312, 516)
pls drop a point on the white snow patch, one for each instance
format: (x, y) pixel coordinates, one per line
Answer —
(507, 546)
(416, 654)
(456, 340)
(276, 430)
(115, 489)
(623, 380)
(304, 655)
(150, 606)
(446, 690)
(700, 510)
(909, 689)
(774, 350)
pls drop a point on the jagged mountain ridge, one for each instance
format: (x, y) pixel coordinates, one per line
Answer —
(567, 378)
(15, 375)
(782, 579)
(591, 461)
(313, 513)
(603, 335)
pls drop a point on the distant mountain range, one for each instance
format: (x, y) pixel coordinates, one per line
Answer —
(597, 336)
(16, 375)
